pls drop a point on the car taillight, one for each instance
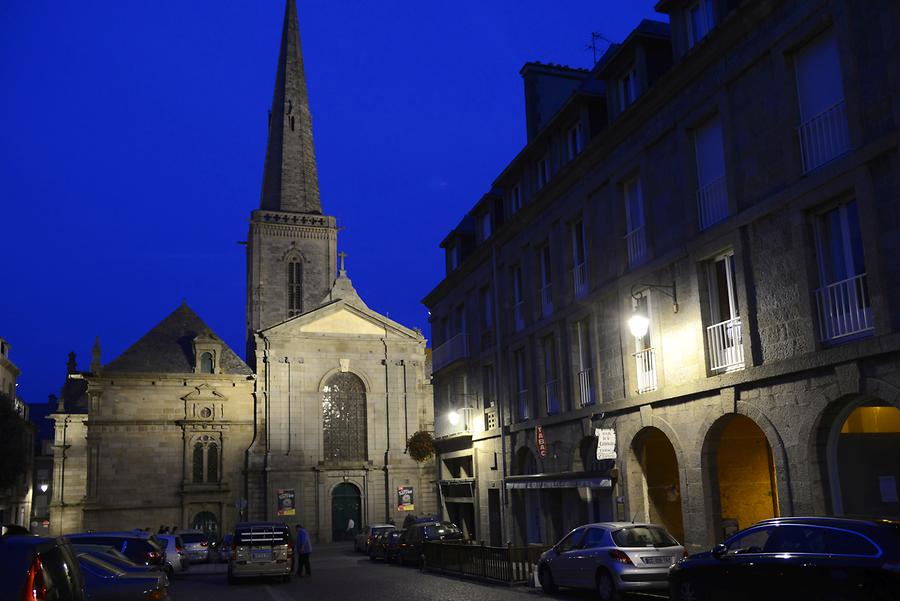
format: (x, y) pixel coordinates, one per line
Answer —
(233, 549)
(684, 553)
(290, 547)
(179, 548)
(157, 594)
(204, 544)
(35, 589)
(620, 556)
(153, 556)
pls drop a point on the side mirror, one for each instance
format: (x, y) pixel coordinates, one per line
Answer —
(719, 551)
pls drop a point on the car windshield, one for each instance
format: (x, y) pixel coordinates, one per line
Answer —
(643, 536)
(193, 537)
(438, 530)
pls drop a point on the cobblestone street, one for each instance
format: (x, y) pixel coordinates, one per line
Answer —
(341, 574)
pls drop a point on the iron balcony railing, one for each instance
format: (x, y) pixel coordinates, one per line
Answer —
(547, 300)
(457, 420)
(712, 203)
(454, 349)
(551, 395)
(725, 345)
(824, 137)
(579, 278)
(519, 316)
(844, 309)
(636, 241)
(585, 387)
(645, 362)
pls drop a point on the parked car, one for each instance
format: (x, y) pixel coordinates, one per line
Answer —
(261, 549)
(29, 561)
(196, 545)
(410, 546)
(392, 552)
(797, 558)
(139, 547)
(114, 557)
(106, 581)
(225, 547)
(379, 545)
(364, 539)
(611, 557)
(176, 557)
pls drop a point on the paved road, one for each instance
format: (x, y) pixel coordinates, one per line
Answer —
(343, 575)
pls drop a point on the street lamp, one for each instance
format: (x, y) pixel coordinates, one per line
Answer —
(638, 324)
(44, 486)
(453, 417)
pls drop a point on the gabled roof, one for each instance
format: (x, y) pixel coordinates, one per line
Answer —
(168, 348)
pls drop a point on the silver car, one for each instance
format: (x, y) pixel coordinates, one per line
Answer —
(611, 557)
(261, 549)
(196, 545)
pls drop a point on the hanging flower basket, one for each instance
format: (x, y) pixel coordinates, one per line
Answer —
(420, 446)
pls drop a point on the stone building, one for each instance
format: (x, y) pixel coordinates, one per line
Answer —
(341, 387)
(695, 252)
(15, 501)
(178, 430)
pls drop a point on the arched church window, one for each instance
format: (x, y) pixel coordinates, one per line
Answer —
(206, 363)
(212, 463)
(198, 462)
(295, 287)
(205, 460)
(344, 418)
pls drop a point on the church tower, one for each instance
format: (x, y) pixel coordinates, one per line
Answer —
(291, 245)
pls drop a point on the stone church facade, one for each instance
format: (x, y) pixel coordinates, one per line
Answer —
(312, 429)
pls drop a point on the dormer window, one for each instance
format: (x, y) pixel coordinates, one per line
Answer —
(207, 351)
(628, 88)
(453, 258)
(206, 363)
(573, 141)
(699, 21)
(543, 172)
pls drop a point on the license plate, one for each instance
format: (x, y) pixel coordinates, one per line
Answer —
(261, 555)
(659, 560)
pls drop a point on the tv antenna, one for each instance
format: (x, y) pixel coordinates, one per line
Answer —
(596, 35)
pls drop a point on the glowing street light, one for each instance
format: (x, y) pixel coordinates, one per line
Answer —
(638, 324)
(44, 487)
(453, 417)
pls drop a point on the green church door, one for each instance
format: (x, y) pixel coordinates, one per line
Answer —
(346, 512)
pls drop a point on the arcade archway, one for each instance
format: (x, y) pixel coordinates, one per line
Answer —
(661, 480)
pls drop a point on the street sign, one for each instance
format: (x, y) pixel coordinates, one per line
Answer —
(606, 443)
(540, 442)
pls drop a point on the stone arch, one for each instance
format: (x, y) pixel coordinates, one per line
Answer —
(825, 432)
(346, 504)
(367, 382)
(730, 491)
(345, 418)
(655, 477)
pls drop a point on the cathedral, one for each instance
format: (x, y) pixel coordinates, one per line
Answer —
(311, 428)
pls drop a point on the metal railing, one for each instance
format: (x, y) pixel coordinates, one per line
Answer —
(824, 137)
(455, 348)
(547, 300)
(712, 202)
(519, 316)
(585, 387)
(507, 565)
(636, 241)
(725, 342)
(844, 308)
(645, 362)
(579, 279)
(551, 395)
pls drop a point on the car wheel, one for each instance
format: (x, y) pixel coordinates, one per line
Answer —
(546, 578)
(687, 591)
(606, 588)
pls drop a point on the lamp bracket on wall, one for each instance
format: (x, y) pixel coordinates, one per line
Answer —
(666, 289)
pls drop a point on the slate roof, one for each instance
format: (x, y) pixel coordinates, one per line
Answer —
(168, 348)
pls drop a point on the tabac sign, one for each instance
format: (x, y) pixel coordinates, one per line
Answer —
(539, 441)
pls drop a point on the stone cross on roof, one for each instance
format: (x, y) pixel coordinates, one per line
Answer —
(342, 255)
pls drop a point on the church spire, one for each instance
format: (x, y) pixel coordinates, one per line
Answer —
(290, 181)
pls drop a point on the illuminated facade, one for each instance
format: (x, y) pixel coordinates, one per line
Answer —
(732, 179)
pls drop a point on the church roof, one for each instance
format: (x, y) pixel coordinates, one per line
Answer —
(168, 348)
(290, 178)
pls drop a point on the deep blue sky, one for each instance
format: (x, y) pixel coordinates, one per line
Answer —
(132, 138)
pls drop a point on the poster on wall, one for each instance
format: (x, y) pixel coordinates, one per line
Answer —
(285, 498)
(405, 498)
(606, 443)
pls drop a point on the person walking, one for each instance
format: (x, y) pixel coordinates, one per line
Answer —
(304, 549)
